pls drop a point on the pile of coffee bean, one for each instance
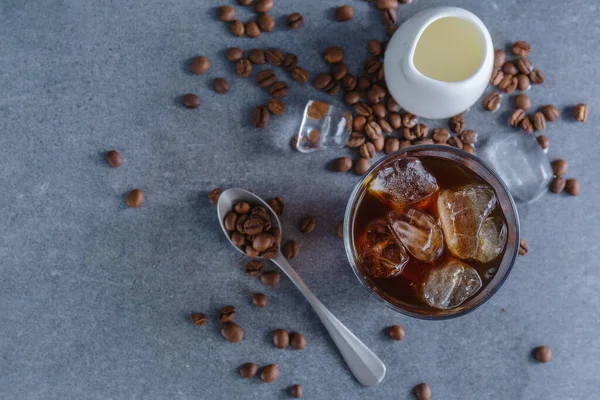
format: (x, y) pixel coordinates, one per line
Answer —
(251, 230)
(253, 28)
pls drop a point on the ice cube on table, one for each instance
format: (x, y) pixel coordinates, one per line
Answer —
(418, 232)
(450, 285)
(405, 181)
(462, 211)
(323, 126)
(492, 238)
(381, 254)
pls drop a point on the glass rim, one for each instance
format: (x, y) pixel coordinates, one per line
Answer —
(349, 236)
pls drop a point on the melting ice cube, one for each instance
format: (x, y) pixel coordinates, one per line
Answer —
(418, 232)
(450, 285)
(381, 254)
(492, 238)
(404, 182)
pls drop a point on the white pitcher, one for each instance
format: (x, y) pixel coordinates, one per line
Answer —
(458, 86)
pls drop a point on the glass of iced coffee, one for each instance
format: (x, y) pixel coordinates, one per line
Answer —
(431, 231)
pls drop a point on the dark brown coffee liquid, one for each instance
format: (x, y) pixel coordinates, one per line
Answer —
(403, 288)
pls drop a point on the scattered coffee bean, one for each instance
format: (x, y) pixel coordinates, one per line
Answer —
(237, 28)
(266, 22)
(537, 76)
(339, 229)
(295, 20)
(270, 278)
(355, 140)
(408, 133)
(349, 82)
(521, 48)
(234, 54)
(307, 224)
(363, 83)
(269, 373)
(263, 6)
(297, 340)
(543, 354)
(278, 89)
(363, 109)
(580, 112)
(198, 319)
(135, 198)
(517, 117)
(260, 117)
(510, 68)
(523, 82)
(200, 65)
(499, 58)
(322, 80)
(523, 247)
(522, 101)
(259, 300)
(276, 107)
(254, 268)
(266, 78)
(373, 130)
(551, 112)
(496, 78)
(375, 47)
(274, 56)
(257, 56)
(248, 370)
(367, 150)
(557, 185)
(220, 85)
(245, 3)
(559, 167)
(290, 249)
(524, 66)
(372, 65)
(390, 17)
(113, 158)
(420, 131)
(468, 148)
(300, 75)
(391, 105)
(277, 204)
(396, 332)
(539, 121)
(352, 98)
(296, 391)
(379, 143)
(385, 126)
(232, 332)
(226, 13)
(190, 100)
(572, 187)
(492, 101)
(455, 141)
(290, 61)
(334, 55)
(243, 68)
(440, 135)
(526, 125)
(385, 4)
(227, 313)
(281, 338)
(342, 164)
(361, 166)
(409, 120)
(395, 120)
(468, 137)
(344, 13)
(213, 195)
(339, 71)
(508, 84)
(423, 391)
(543, 141)
(457, 123)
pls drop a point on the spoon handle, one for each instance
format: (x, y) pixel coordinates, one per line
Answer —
(368, 369)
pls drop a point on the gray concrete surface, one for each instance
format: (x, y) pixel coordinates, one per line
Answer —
(95, 297)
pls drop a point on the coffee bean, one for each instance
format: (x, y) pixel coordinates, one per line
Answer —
(367, 150)
(213, 195)
(220, 85)
(290, 61)
(580, 112)
(243, 68)
(468, 148)
(239, 225)
(440, 135)
(274, 56)
(572, 187)
(135, 198)
(361, 166)
(300, 75)
(113, 158)
(270, 253)
(237, 28)
(290, 249)
(543, 354)
(260, 117)
(373, 130)
(281, 338)
(423, 391)
(339, 229)
(392, 144)
(455, 142)
(395, 120)
(230, 220)
(560, 167)
(521, 48)
(510, 68)
(468, 137)
(227, 313)
(405, 143)
(379, 110)
(420, 131)
(408, 133)
(277, 204)
(389, 17)
(522, 101)
(245, 3)
(409, 120)
(339, 71)
(391, 105)
(385, 126)
(385, 4)
(254, 268)
(372, 65)
(379, 143)
(259, 300)
(278, 89)
(238, 239)
(190, 100)
(242, 208)
(257, 56)
(543, 141)
(263, 6)
(232, 332)
(266, 22)
(523, 247)
(457, 123)
(198, 319)
(322, 80)
(508, 84)
(517, 117)
(499, 58)
(295, 20)
(557, 185)
(307, 224)
(550, 112)
(296, 391)
(262, 241)
(375, 47)
(390, 30)
(344, 13)
(396, 332)
(342, 164)
(266, 78)
(524, 66)
(248, 370)
(270, 278)
(269, 373)
(496, 78)
(349, 82)
(226, 13)
(251, 252)
(355, 140)
(276, 107)
(537, 76)
(200, 65)
(334, 55)
(539, 121)
(363, 109)
(526, 125)
(523, 82)
(234, 54)
(297, 340)
(363, 83)
(352, 97)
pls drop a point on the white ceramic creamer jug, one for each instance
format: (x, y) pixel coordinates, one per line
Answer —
(439, 62)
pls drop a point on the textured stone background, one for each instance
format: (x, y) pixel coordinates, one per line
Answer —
(95, 297)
